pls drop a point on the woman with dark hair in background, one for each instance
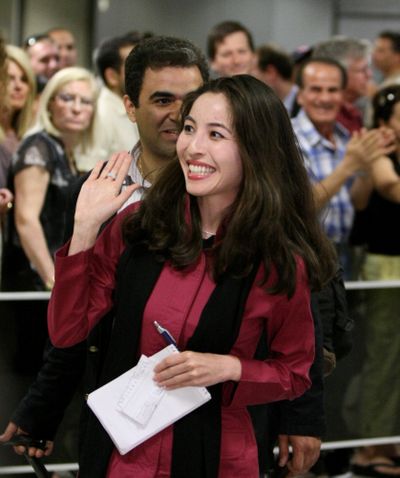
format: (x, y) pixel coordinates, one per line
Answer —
(224, 245)
(379, 407)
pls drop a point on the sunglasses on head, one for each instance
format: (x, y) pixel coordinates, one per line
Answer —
(388, 97)
(33, 39)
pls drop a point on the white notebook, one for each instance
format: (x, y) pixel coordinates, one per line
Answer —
(132, 408)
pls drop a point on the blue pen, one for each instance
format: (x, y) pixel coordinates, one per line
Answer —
(164, 332)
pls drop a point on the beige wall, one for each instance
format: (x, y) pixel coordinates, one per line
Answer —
(41, 15)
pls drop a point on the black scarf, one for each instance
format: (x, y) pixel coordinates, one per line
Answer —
(196, 443)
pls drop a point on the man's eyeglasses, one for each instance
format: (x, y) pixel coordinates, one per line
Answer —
(70, 100)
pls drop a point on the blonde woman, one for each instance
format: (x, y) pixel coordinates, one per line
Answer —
(17, 113)
(43, 169)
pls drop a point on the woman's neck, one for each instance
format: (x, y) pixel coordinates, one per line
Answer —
(6, 119)
(70, 140)
(212, 212)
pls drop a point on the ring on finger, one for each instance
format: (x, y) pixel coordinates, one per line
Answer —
(112, 175)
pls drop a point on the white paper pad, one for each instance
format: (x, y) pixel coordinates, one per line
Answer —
(130, 421)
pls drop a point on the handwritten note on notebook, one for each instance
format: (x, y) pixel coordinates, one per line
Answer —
(132, 408)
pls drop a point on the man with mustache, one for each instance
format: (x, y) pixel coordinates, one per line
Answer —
(336, 162)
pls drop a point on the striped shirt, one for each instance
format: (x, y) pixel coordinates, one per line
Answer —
(321, 159)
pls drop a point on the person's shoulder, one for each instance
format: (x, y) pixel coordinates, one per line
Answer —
(107, 102)
(32, 139)
(126, 212)
(34, 150)
(302, 124)
(40, 139)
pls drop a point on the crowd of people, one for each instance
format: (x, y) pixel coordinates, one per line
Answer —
(221, 196)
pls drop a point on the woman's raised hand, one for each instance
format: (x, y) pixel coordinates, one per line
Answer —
(100, 197)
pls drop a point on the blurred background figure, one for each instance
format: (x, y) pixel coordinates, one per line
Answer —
(355, 57)
(65, 41)
(386, 57)
(17, 114)
(379, 376)
(335, 160)
(113, 131)
(6, 196)
(44, 57)
(299, 56)
(275, 68)
(230, 49)
(43, 169)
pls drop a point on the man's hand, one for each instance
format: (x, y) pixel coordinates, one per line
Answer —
(305, 451)
(367, 146)
(13, 429)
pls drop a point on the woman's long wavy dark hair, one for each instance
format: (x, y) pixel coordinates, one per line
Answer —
(273, 217)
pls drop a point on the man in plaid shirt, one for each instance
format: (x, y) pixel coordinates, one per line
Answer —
(337, 162)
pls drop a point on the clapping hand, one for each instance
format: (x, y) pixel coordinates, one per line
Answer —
(367, 146)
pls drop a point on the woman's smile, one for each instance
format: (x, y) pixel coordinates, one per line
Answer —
(198, 170)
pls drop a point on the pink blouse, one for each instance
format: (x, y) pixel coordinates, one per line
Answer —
(83, 294)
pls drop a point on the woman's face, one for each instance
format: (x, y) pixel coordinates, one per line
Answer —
(208, 150)
(72, 107)
(18, 86)
(394, 121)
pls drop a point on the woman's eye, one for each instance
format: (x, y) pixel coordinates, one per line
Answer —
(188, 128)
(216, 135)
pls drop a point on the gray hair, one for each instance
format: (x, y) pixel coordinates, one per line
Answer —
(343, 49)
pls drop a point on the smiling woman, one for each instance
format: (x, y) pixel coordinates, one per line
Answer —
(250, 192)
(210, 157)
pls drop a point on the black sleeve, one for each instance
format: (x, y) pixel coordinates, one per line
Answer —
(41, 410)
(73, 194)
(305, 415)
(337, 325)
